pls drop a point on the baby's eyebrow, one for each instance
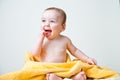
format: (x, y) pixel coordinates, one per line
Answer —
(52, 19)
(42, 18)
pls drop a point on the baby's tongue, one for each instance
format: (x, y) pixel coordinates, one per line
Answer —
(48, 33)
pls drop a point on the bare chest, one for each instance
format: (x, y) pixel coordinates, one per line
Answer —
(53, 52)
(54, 47)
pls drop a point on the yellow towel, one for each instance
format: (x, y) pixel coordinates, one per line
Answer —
(35, 70)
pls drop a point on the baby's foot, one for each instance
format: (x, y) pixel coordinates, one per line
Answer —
(79, 76)
(53, 77)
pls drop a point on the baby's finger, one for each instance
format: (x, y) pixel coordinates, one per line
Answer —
(95, 62)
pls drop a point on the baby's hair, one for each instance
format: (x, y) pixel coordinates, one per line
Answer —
(62, 12)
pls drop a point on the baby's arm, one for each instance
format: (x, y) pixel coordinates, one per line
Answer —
(79, 54)
(38, 45)
(84, 57)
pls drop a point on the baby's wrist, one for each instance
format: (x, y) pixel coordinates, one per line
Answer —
(88, 59)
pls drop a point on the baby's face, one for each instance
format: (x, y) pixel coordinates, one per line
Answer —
(51, 23)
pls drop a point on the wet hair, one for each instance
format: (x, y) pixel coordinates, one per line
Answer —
(62, 12)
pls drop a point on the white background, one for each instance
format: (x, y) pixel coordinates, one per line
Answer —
(92, 25)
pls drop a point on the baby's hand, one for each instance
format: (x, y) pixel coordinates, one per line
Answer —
(41, 34)
(91, 61)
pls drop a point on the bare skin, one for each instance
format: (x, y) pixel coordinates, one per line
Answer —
(51, 46)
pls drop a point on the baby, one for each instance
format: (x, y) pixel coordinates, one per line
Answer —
(52, 47)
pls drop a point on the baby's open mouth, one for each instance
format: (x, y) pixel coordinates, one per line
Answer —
(48, 31)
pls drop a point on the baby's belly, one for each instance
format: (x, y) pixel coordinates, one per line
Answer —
(53, 59)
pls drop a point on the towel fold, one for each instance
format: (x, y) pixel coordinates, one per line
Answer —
(35, 70)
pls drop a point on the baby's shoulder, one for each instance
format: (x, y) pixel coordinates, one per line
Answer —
(63, 37)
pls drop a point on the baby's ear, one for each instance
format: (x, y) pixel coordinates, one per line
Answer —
(64, 27)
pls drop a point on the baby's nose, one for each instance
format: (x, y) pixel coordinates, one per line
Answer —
(46, 27)
(47, 23)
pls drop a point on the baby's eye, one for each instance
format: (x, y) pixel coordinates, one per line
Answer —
(43, 20)
(52, 21)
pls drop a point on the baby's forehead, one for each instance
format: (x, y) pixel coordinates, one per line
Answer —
(53, 11)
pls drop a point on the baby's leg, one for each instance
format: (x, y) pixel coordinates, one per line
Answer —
(53, 77)
(79, 76)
